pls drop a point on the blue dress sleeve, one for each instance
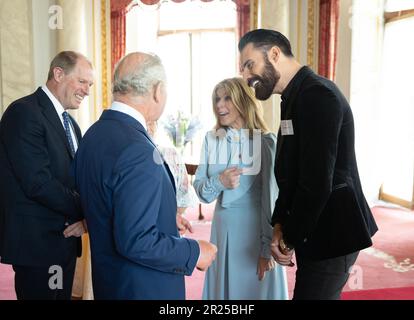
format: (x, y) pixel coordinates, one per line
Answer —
(269, 192)
(207, 188)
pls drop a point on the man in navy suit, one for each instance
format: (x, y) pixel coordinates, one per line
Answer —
(128, 194)
(40, 212)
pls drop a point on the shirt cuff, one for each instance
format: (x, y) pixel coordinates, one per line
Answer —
(194, 256)
(265, 251)
(216, 184)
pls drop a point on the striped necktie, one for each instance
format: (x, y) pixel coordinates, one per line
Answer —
(66, 124)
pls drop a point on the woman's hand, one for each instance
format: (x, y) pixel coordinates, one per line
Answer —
(230, 178)
(264, 265)
(183, 224)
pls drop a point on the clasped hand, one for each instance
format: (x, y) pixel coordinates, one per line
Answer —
(283, 257)
(76, 229)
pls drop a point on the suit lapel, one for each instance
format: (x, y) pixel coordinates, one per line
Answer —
(51, 115)
(167, 168)
(172, 180)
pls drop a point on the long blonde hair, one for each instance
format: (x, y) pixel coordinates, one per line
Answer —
(245, 102)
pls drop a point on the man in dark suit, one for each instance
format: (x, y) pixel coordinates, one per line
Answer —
(321, 212)
(128, 194)
(40, 212)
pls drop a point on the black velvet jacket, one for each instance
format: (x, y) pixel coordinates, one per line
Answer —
(321, 206)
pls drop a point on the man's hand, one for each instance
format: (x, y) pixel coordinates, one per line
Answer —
(282, 257)
(264, 265)
(208, 253)
(230, 178)
(75, 230)
(183, 224)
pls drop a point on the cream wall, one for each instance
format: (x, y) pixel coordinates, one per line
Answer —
(304, 31)
(29, 41)
(16, 52)
(298, 29)
(1, 88)
(44, 40)
(274, 14)
(343, 67)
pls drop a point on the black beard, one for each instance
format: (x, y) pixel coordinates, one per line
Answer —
(265, 83)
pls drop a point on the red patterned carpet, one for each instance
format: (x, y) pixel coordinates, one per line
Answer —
(383, 272)
(380, 294)
(6, 283)
(389, 263)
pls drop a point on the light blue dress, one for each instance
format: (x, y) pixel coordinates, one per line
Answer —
(241, 226)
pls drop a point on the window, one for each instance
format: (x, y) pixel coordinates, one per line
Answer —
(382, 98)
(398, 5)
(398, 102)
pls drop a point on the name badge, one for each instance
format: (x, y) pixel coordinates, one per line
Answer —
(286, 127)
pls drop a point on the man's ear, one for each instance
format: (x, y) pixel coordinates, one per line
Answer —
(58, 74)
(157, 93)
(274, 54)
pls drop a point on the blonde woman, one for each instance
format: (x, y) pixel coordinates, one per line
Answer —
(236, 169)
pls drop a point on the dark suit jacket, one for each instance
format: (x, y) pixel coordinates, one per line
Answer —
(130, 208)
(321, 206)
(37, 194)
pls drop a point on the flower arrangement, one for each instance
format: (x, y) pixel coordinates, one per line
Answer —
(181, 128)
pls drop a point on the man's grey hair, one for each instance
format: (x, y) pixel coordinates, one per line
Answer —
(139, 81)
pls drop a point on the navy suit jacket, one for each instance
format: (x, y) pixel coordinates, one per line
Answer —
(37, 193)
(130, 207)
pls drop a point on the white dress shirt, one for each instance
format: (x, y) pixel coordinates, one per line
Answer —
(124, 108)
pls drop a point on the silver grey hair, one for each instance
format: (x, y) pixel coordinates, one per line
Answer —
(140, 80)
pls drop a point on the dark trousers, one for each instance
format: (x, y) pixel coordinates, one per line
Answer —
(322, 279)
(36, 283)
